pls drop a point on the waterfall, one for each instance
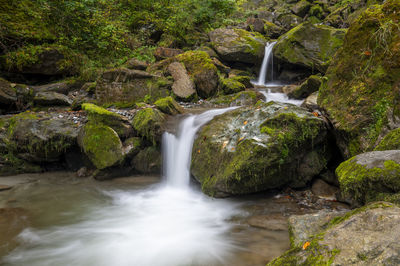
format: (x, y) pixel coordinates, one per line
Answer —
(177, 150)
(268, 57)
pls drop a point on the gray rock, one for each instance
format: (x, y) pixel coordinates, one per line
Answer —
(163, 53)
(183, 86)
(136, 64)
(8, 95)
(147, 161)
(311, 102)
(59, 87)
(323, 190)
(301, 8)
(51, 99)
(309, 86)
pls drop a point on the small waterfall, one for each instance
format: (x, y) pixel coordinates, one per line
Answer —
(177, 150)
(268, 57)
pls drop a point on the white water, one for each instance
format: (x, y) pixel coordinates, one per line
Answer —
(279, 97)
(169, 224)
(268, 57)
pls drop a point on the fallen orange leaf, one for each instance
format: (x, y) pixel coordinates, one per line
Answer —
(306, 245)
(368, 53)
(198, 151)
(245, 123)
(315, 114)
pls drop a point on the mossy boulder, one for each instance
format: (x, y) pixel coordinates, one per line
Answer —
(147, 161)
(237, 45)
(309, 86)
(51, 99)
(308, 45)
(390, 142)
(124, 86)
(361, 88)
(202, 70)
(301, 8)
(231, 85)
(149, 124)
(101, 115)
(39, 137)
(272, 30)
(101, 144)
(168, 106)
(260, 147)
(46, 60)
(370, 177)
(364, 236)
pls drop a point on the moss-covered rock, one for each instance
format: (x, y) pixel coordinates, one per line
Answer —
(236, 45)
(237, 99)
(97, 114)
(51, 99)
(101, 144)
(149, 122)
(231, 85)
(202, 70)
(148, 161)
(257, 148)
(301, 8)
(310, 46)
(168, 106)
(272, 30)
(390, 142)
(362, 84)
(309, 86)
(370, 176)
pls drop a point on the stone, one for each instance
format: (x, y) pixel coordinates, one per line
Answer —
(308, 87)
(5, 187)
(231, 85)
(101, 144)
(371, 176)
(236, 45)
(363, 111)
(323, 190)
(242, 98)
(254, 148)
(310, 46)
(269, 222)
(149, 124)
(51, 99)
(147, 161)
(59, 87)
(288, 21)
(311, 102)
(183, 86)
(168, 106)
(272, 30)
(301, 8)
(163, 53)
(136, 64)
(390, 142)
(8, 96)
(255, 24)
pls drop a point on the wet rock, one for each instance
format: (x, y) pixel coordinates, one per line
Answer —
(255, 24)
(83, 172)
(351, 101)
(136, 64)
(310, 46)
(311, 102)
(5, 187)
(323, 190)
(269, 222)
(370, 177)
(253, 149)
(163, 53)
(12, 222)
(51, 99)
(147, 161)
(238, 99)
(101, 144)
(309, 86)
(272, 30)
(183, 86)
(236, 45)
(132, 146)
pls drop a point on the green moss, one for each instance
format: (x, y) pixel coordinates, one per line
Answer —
(102, 145)
(196, 61)
(231, 85)
(390, 142)
(255, 42)
(168, 105)
(148, 122)
(316, 11)
(97, 113)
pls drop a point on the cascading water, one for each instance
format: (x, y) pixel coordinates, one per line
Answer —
(169, 224)
(268, 57)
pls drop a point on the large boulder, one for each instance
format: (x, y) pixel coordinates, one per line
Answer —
(308, 87)
(183, 86)
(101, 144)
(390, 142)
(371, 176)
(124, 86)
(259, 147)
(39, 137)
(365, 236)
(51, 99)
(149, 124)
(237, 45)
(147, 161)
(361, 94)
(308, 45)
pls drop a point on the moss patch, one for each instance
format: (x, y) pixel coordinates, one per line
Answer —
(148, 122)
(390, 142)
(168, 105)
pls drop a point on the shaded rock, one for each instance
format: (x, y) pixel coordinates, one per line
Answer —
(163, 53)
(209, 51)
(202, 70)
(183, 86)
(323, 190)
(132, 146)
(308, 45)
(136, 64)
(221, 67)
(5, 187)
(329, 177)
(126, 86)
(253, 149)
(59, 87)
(168, 106)
(255, 24)
(289, 88)
(235, 45)
(99, 115)
(272, 30)
(148, 161)
(311, 102)
(149, 124)
(304, 227)
(289, 21)
(51, 99)
(301, 8)
(8, 96)
(370, 177)
(293, 75)
(309, 86)
(238, 99)
(363, 110)
(101, 144)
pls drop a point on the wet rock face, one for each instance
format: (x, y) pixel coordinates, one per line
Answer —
(308, 45)
(257, 148)
(371, 176)
(236, 45)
